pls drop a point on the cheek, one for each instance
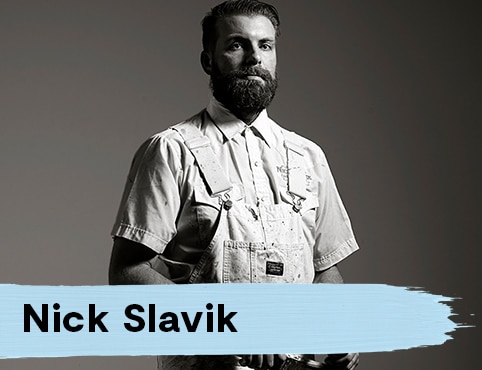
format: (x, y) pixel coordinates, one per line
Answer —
(269, 62)
(228, 63)
(271, 67)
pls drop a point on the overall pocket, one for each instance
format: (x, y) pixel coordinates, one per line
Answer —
(245, 262)
(280, 263)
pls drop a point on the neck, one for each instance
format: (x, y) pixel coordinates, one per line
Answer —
(247, 118)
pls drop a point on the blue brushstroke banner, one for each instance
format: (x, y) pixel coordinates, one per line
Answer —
(62, 321)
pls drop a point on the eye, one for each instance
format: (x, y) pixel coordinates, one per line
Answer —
(266, 46)
(235, 46)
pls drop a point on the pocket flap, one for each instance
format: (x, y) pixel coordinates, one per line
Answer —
(311, 202)
(201, 195)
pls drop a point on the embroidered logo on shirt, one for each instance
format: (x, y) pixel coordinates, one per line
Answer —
(283, 172)
(274, 268)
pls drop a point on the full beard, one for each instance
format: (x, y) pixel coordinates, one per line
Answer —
(242, 96)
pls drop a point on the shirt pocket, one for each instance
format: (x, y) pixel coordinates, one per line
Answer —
(310, 203)
(207, 209)
(309, 210)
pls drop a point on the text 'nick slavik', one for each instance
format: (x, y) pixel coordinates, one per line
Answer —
(52, 319)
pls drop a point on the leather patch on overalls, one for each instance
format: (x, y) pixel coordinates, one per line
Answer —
(274, 268)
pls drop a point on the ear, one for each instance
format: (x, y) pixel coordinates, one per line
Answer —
(206, 62)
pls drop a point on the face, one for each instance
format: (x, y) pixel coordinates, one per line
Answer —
(242, 63)
(244, 41)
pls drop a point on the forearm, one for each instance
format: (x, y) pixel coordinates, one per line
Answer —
(331, 276)
(137, 274)
(129, 264)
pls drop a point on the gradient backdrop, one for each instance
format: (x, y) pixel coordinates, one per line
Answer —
(389, 89)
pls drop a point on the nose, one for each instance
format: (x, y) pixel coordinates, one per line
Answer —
(253, 57)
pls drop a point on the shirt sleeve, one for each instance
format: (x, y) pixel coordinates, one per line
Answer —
(334, 237)
(150, 202)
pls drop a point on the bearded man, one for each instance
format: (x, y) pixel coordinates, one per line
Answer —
(229, 196)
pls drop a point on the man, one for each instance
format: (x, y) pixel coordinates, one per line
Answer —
(228, 195)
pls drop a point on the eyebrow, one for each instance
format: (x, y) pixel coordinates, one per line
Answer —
(241, 38)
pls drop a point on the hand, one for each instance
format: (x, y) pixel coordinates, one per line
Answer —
(262, 361)
(347, 361)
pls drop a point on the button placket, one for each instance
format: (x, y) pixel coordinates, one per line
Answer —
(261, 184)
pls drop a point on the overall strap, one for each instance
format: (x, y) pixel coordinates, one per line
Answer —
(200, 147)
(296, 170)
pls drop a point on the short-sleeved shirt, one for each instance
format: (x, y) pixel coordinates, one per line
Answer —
(167, 207)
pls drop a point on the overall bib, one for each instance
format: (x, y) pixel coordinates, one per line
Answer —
(252, 243)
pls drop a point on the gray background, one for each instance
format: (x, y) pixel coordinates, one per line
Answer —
(389, 89)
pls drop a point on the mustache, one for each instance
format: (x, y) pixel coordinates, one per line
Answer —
(252, 71)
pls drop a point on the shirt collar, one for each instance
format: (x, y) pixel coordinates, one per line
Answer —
(230, 125)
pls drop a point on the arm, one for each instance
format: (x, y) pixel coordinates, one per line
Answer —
(129, 264)
(150, 207)
(331, 275)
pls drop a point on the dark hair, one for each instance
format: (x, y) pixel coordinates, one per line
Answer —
(236, 7)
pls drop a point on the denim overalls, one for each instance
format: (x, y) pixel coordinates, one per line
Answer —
(251, 244)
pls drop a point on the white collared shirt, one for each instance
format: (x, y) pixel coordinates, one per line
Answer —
(166, 206)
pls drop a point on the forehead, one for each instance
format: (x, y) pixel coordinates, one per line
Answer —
(255, 27)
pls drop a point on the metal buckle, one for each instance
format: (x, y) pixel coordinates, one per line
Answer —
(297, 202)
(225, 201)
